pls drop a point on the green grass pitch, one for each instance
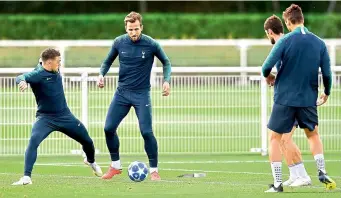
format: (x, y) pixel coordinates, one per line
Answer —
(226, 176)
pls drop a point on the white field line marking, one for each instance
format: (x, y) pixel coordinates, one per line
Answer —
(166, 169)
(61, 176)
(180, 162)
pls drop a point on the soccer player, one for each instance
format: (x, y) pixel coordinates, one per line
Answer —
(136, 53)
(296, 90)
(298, 175)
(53, 114)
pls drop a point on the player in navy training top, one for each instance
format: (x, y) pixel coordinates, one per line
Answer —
(136, 53)
(53, 114)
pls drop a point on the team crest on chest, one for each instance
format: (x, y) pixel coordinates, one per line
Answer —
(143, 54)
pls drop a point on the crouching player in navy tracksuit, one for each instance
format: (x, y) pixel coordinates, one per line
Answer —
(53, 114)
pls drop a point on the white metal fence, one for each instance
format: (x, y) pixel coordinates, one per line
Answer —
(220, 112)
(242, 44)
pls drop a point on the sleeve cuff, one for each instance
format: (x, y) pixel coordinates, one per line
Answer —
(327, 92)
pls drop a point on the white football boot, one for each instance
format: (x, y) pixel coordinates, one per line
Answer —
(95, 168)
(25, 180)
(306, 181)
(273, 189)
(289, 181)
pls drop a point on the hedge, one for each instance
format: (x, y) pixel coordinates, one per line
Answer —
(159, 26)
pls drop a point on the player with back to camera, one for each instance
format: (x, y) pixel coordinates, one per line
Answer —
(296, 91)
(298, 175)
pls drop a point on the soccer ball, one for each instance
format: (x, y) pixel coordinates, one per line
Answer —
(137, 171)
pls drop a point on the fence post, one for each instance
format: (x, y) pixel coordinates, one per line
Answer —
(61, 49)
(264, 117)
(84, 84)
(62, 57)
(243, 60)
(333, 61)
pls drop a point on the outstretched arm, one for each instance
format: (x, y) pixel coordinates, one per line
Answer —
(32, 77)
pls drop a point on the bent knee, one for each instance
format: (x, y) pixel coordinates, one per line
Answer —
(275, 136)
(88, 141)
(286, 138)
(33, 143)
(147, 134)
(110, 129)
(311, 134)
(146, 130)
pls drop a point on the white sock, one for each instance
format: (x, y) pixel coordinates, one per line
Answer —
(116, 164)
(276, 168)
(151, 170)
(293, 171)
(301, 172)
(319, 158)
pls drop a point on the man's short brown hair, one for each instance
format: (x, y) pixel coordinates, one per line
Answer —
(132, 17)
(293, 14)
(275, 24)
(49, 53)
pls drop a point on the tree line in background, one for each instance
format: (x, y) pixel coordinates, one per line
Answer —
(68, 7)
(158, 25)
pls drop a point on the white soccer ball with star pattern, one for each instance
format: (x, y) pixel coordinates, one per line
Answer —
(137, 171)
